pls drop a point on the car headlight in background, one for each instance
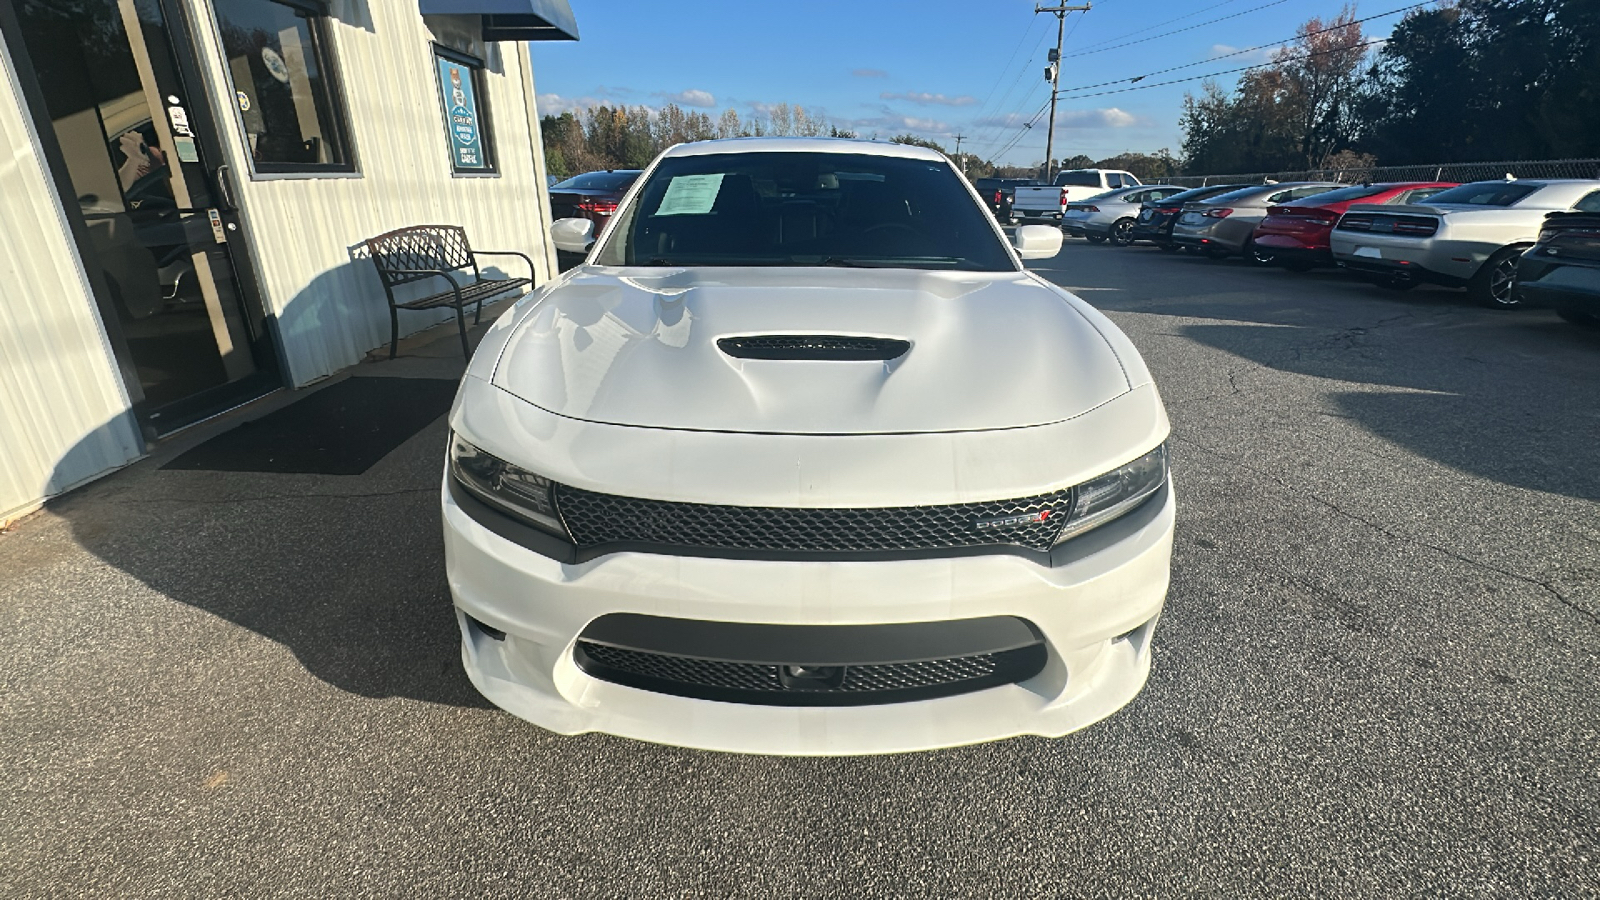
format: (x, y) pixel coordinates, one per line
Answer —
(1116, 493)
(508, 488)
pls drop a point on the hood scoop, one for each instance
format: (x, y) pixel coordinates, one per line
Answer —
(817, 347)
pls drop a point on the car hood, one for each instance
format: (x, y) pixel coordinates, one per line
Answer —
(640, 347)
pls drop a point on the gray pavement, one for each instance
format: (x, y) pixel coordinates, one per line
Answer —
(1375, 676)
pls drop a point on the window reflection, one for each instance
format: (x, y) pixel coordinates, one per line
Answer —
(282, 83)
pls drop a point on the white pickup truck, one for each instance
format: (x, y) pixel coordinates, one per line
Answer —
(1046, 203)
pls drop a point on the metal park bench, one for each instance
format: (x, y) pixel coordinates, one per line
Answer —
(421, 252)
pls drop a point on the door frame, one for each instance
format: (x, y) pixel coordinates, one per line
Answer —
(199, 90)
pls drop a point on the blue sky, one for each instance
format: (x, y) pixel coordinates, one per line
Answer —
(932, 67)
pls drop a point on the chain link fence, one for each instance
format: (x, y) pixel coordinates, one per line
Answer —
(1462, 172)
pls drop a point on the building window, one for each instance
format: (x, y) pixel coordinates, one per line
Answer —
(284, 84)
(466, 112)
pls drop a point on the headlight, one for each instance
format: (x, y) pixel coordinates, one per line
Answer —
(510, 489)
(1115, 493)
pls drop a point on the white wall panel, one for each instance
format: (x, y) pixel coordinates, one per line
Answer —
(63, 412)
(330, 308)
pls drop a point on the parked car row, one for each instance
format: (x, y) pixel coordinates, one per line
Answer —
(1048, 203)
(1509, 243)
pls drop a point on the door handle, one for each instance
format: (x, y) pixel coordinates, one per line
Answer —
(224, 179)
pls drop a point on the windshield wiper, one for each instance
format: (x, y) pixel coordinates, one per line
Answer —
(910, 262)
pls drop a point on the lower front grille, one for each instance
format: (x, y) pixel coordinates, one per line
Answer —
(783, 685)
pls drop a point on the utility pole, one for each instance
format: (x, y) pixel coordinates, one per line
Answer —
(959, 157)
(1052, 74)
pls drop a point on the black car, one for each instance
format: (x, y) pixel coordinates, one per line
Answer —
(1562, 270)
(1156, 217)
(998, 192)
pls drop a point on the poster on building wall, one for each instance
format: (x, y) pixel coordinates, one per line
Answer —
(461, 115)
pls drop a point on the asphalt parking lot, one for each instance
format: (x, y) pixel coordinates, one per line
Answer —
(1375, 676)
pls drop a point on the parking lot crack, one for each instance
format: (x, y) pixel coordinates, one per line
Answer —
(1546, 586)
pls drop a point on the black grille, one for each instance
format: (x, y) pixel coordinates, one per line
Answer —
(765, 684)
(595, 519)
(813, 346)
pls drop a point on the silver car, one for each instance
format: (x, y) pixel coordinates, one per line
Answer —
(1221, 226)
(1470, 236)
(1110, 216)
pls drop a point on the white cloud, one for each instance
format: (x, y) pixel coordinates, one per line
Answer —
(922, 98)
(889, 120)
(691, 97)
(555, 104)
(1009, 120)
(1109, 117)
(1253, 58)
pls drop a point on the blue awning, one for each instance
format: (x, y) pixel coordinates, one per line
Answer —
(513, 20)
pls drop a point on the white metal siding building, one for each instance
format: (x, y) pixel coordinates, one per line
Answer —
(187, 185)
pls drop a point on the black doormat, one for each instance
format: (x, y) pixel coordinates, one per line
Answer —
(340, 430)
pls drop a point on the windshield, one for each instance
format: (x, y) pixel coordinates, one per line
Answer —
(1195, 195)
(805, 209)
(598, 181)
(1078, 179)
(1485, 193)
(1349, 193)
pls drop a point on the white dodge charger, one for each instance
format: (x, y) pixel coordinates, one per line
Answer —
(802, 460)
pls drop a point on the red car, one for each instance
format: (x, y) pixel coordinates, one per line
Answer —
(1296, 236)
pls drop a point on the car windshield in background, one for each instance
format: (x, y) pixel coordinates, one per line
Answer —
(597, 181)
(1589, 204)
(1340, 195)
(1195, 195)
(1078, 179)
(1484, 193)
(806, 209)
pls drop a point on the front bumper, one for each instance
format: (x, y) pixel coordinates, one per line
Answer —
(1095, 608)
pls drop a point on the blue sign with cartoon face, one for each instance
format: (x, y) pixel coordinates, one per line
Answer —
(461, 114)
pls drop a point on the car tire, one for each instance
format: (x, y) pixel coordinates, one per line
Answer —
(1259, 258)
(1096, 238)
(1576, 317)
(1122, 232)
(1495, 284)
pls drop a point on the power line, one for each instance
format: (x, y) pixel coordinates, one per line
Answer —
(993, 133)
(1006, 68)
(1281, 43)
(1182, 30)
(1162, 24)
(1144, 87)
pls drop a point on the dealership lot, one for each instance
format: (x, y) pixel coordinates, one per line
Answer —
(1374, 676)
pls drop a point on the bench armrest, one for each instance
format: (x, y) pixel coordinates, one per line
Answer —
(532, 273)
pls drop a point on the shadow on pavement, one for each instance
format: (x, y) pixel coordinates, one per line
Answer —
(1507, 396)
(346, 571)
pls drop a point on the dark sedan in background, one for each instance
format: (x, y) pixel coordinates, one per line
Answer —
(1562, 270)
(997, 194)
(592, 195)
(1154, 223)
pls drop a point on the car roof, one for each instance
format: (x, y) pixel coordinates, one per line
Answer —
(802, 145)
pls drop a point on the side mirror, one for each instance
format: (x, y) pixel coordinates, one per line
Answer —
(572, 235)
(1037, 241)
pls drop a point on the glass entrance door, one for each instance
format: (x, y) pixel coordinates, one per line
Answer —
(127, 131)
